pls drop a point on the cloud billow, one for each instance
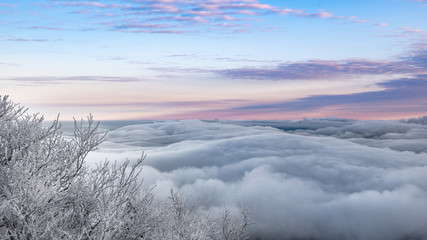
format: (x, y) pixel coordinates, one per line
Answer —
(301, 184)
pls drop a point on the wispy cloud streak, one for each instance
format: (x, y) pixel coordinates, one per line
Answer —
(72, 79)
(8, 5)
(48, 28)
(8, 64)
(320, 69)
(31, 40)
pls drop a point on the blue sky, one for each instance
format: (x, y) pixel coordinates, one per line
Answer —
(228, 59)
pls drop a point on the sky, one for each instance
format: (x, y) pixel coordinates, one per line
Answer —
(215, 59)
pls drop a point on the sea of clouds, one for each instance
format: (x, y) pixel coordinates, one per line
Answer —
(327, 179)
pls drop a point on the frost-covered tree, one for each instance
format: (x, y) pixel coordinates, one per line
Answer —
(47, 191)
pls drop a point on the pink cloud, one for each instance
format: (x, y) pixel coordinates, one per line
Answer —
(140, 25)
(48, 28)
(245, 12)
(325, 15)
(31, 40)
(209, 7)
(259, 6)
(229, 18)
(407, 32)
(203, 12)
(161, 31)
(77, 4)
(200, 13)
(166, 8)
(361, 21)
(8, 5)
(321, 14)
(85, 11)
(288, 11)
(190, 19)
(382, 24)
(410, 30)
(352, 17)
(43, 5)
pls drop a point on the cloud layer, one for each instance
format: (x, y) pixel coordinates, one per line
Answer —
(322, 69)
(313, 179)
(395, 96)
(181, 16)
(408, 90)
